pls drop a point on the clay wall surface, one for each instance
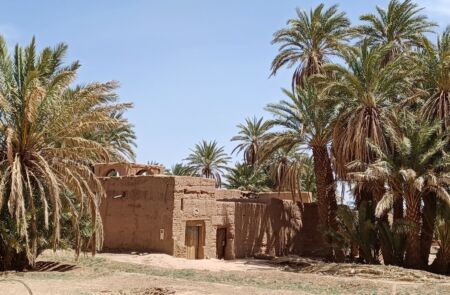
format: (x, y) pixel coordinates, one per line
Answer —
(268, 228)
(275, 227)
(137, 213)
(126, 169)
(194, 200)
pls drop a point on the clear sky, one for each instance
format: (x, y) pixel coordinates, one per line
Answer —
(194, 69)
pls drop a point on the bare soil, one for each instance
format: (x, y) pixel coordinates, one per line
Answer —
(159, 274)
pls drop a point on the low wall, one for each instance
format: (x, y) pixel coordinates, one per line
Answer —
(275, 227)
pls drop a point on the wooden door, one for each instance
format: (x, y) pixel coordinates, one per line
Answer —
(221, 242)
(192, 236)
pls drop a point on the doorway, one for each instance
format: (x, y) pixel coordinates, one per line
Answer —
(194, 239)
(221, 242)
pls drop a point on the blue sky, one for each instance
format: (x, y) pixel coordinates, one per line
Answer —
(194, 69)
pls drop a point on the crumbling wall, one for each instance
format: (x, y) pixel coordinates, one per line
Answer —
(137, 213)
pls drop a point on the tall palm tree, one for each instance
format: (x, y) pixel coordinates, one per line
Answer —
(306, 121)
(47, 149)
(434, 62)
(247, 178)
(309, 41)
(209, 160)
(416, 165)
(401, 25)
(251, 135)
(367, 92)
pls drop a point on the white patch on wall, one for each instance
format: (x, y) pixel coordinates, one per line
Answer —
(161, 234)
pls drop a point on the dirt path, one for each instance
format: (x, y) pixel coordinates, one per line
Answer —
(158, 274)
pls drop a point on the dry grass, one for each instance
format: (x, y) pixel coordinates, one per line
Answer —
(386, 272)
(100, 275)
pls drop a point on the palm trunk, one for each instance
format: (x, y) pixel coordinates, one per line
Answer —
(326, 191)
(441, 263)
(428, 220)
(413, 216)
(398, 208)
(367, 194)
(11, 260)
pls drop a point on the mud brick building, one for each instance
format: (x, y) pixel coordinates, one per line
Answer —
(188, 217)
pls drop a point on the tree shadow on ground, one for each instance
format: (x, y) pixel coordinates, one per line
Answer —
(48, 266)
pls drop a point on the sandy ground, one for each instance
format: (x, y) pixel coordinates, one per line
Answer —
(159, 274)
(163, 260)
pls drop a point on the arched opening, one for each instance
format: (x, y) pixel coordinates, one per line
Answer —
(112, 173)
(143, 173)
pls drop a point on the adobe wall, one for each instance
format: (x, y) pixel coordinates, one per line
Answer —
(135, 211)
(268, 226)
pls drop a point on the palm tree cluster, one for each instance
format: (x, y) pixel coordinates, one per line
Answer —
(51, 134)
(371, 105)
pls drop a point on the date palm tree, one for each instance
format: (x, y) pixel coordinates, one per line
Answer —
(50, 137)
(304, 121)
(434, 62)
(401, 25)
(416, 165)
(366, 92)
(209, 160)
(251, 135)
(309, 41)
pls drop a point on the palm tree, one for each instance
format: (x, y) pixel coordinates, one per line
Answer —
(434, 62)
(180, 169)
(309, 41)
(251, 135)
(366, 92)
(50, 136)
(306, 121)
(415, 166)
(400, 25)
(247, 178)
(209, 160)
